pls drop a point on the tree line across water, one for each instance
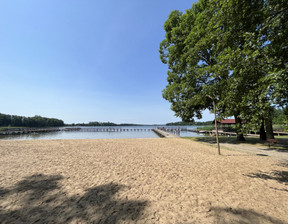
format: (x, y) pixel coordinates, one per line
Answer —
(230, 56)
(195, 123)
(279, 118)
(36, 121)
(94, 123)
(7, 120)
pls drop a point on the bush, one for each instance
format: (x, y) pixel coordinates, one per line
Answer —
(206, 128)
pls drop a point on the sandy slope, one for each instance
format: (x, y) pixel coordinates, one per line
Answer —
(138, 181)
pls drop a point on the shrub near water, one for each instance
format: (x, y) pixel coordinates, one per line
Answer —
(206, 128)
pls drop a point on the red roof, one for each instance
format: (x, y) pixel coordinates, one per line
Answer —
(228, 121)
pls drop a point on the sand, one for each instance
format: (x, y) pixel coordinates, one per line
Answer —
(138, 181)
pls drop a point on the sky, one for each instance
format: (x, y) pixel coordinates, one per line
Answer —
(83, 61)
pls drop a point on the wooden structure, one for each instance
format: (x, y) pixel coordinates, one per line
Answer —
(272, 142)
(226, 125)
(20, 131)
(17, 131)
(125, 129)
(165, 134)
(212, 133)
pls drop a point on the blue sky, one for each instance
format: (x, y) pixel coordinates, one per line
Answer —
(83, 61)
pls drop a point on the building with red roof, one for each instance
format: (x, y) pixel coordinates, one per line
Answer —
(227, 121)
(226, 124)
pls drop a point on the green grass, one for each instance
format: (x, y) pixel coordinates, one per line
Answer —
(281, 137)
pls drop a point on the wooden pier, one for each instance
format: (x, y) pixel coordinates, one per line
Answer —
(175, 131)
(213, 132)
(165, 134)
(279, 133)
(20, 131)
(110, 129)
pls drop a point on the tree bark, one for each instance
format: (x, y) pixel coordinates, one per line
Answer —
(216, 128)
(262, 131)
(239, 129)
(268, 126)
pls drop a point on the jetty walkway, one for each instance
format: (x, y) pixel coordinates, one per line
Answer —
(167, 133)
(213, 132)
(20, 131)
(17, 131)
(161, 131)
(107, 129)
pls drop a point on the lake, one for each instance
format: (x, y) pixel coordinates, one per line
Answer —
(145, 132)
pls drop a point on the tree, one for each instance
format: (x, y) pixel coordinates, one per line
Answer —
(231, 52)
(264, 59)
(36, 121)
(5, 120)
(189, 56)
(236, 24)
(195, 78)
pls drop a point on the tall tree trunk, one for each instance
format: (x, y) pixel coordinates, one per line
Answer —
(262, 131)
(268, 126)
(239, 128)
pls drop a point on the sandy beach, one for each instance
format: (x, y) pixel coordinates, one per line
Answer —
(138, 181)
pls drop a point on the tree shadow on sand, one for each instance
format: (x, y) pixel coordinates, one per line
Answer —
(281, 146)
(225, 139)
(39, 199)
(283, 164)
(280, 176)
(226, 215)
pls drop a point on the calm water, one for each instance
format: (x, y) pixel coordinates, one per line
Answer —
(98, 135)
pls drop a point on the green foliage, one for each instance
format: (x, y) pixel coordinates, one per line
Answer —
(96, 123)
(189, 54)
(279, 117)
(181, 123)
(232, 52)
(207, 127)
(36, 121)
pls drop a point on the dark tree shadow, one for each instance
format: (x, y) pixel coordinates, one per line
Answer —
(39, 199)
(280, 176)
(283, 149)
(225, 139)
(283, 164)
(281, 146)
(3, 192)
(277, 189)
(226, 215)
